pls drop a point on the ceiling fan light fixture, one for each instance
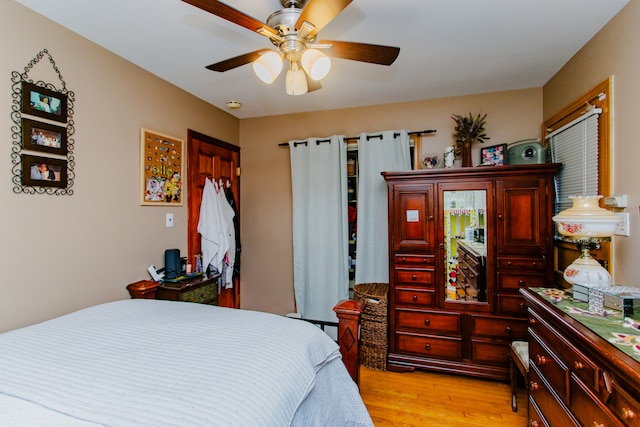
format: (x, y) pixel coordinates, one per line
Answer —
(316, 64)
(296, 81)
(268, 66)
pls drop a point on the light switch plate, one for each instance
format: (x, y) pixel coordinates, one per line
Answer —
(169, 220)
(622, 229)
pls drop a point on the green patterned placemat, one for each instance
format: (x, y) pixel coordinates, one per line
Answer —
(610, 326)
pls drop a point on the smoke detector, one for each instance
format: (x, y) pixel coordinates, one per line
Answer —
(233, 105)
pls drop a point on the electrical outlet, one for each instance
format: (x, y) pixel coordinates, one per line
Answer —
(622, 229)
(169, 220)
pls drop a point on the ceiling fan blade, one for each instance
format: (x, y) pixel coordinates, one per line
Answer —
(231, 63)
(320, 13)
(232, 15)
(363, 52)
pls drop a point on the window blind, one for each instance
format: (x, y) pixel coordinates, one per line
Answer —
(576, 147)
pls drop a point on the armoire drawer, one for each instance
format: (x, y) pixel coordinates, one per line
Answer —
(415, 277)
(490, 352)
(512, 304)
(503, 328)
(415, 260)
(415, 297)
(513, 281)
(429, 321)
(429, 346)
(513, 263)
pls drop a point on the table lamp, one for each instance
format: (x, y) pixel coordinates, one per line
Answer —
(587, 225)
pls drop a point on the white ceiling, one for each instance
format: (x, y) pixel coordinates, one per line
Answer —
(448, 47)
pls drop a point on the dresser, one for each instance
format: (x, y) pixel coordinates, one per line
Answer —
(462, 243)
(582, 369)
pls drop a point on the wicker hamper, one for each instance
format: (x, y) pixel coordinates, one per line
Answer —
(373, 325)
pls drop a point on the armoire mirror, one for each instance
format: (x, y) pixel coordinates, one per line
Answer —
(465, 245)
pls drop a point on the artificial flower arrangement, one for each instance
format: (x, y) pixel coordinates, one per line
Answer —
(468, 129)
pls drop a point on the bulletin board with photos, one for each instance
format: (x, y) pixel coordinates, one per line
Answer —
(161, 169)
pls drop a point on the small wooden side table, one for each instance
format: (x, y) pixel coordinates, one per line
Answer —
(143, 289)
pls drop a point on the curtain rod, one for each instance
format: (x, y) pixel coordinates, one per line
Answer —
(351, 138)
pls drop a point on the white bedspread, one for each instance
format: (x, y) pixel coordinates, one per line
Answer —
(163, 363)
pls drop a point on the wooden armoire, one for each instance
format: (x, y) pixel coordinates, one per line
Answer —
(462, 242)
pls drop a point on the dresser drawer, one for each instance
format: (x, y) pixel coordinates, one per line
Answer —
(574, 359)
(512, 304)
(429, 322)
(536, 419)
(513, 263)
(503, 328)
(430, 346)
(624, 406)
(550, 366)
(415, 260)
(587, 408)
(415, 277)
(414, 297)
(204, 294)
(555, 412)
(513, 281)
(490, 352)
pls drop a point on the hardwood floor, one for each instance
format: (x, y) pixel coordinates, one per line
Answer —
(430, 399)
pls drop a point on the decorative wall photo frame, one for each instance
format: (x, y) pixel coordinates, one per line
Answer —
(161, 169)
(44, 171)
(493, 156)
(42, 102)
(45, 137)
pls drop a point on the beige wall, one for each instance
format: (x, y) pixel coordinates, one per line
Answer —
(612, 52)
(267, 267)
(60, 253)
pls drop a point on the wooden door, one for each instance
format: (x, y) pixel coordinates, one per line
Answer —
(208, 157)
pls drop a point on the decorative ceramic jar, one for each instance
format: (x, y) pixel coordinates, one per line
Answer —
(585, 219)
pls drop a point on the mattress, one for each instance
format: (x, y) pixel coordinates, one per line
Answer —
(164, 363)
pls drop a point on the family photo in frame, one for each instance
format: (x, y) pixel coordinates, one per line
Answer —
(42, 102)
(44, 171)
(45, 137)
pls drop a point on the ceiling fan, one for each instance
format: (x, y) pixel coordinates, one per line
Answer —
(293, 30)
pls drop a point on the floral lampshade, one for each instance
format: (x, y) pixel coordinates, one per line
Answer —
(586, 224)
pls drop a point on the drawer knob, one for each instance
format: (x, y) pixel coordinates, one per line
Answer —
(522, 283)
(430, 218)
(427, 322)
(424, 260)
(542, 360)
(628, 414)
(427, 346)
(414, 278)
(501, 217)
(578, 365)
(597, 424)
(523, 306)
(533, 386)
(415, 298)
(532, 321)
(508, 330)
(508, 262)
(404, 259)
(533, 423)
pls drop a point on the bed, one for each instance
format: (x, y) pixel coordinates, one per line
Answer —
(144, 362)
